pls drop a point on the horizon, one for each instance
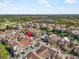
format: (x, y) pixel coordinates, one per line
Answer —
(39, 14)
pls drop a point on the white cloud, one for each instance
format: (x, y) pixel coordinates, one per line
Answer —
(70, 1)
(31, 11)
(44, 2)
(54, 10)
(16, 10)
(8, 8)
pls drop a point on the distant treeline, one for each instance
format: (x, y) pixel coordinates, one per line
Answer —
(71, 20)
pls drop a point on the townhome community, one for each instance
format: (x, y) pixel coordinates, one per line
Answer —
(40, 40)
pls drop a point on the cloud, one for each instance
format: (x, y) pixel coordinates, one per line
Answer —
(44, 2)
(7, 7)
(15, 10)
(59, 10)
(21, 10)
(70, 1)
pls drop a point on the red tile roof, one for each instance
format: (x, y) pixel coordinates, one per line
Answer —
(43, 52)
(13, 43)
(33, 55)
(26, 42)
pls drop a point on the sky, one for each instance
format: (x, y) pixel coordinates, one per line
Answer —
(39, 6)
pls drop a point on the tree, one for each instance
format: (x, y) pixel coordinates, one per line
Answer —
(3, 53)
